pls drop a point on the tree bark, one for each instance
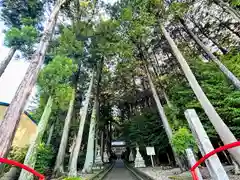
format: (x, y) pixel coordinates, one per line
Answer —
(96, 146)
(216, 169)
(31, 155)
(221, 66)
(90, 146)
(102, 145)
(157, 63)
(168, 157)
(237, 33)
(11, 118)
(169, 104)
(225, 25)
(12, 174)
(110, 138)
(192, 161)
(224, 132)
(6, 61)
(59, 169)
(163, 116)
(83, 114)
(71, 148)
(50, 134)
(228, 9)
(202, 31)
(94, 118)
(100, 67)
(184, 39)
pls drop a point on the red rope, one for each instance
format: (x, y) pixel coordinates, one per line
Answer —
(15, 163)
(194, 175)
(223, 148)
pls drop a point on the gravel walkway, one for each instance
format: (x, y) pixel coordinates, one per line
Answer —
(158, 173)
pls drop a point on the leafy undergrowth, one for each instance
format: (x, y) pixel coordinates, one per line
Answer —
(180, 177)
(16, 154)
(232, 61)
(73, 178)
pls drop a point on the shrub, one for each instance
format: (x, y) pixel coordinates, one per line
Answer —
(73, 178)
(44, 158)
(182, 140)
(17, 154)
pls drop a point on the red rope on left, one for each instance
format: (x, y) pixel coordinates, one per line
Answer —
(15, 163)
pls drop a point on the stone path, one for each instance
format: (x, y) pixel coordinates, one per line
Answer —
(158, 173)
(119, 172)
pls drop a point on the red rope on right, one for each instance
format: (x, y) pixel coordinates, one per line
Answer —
(223, 148)
(15, 163)
(194, 175)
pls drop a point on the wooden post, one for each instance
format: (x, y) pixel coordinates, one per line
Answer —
(192, 162)
(213, 163)
(169, 160)
(152, 161)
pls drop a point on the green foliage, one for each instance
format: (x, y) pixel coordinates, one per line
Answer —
(220, 92)
(180, 177)
(132, 28)
(62, 96)
(55, 80)
(232, 61)
(178, 8)
(58, 71)
(69, 45)
(21, 39)
(146, 130)
(235, 3)
(45, 157)
(28, 21)
(183, 139)
(173, 113)
(106, 40)
(13, 11)
(23, 21)
(217, 88)
(73, 178)
(127, 14)
(182, 98)
(84, 4)
(139, 26)
(17, 154)
(37, 113)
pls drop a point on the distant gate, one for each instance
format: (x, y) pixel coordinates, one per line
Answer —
(118, 147)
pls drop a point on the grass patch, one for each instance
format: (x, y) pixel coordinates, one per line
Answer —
(73, 178)
(180, 177)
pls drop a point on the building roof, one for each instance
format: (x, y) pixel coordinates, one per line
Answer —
(118, 143)
(25, 112)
